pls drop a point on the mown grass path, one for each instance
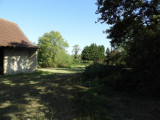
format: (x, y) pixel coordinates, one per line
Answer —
(47, 94)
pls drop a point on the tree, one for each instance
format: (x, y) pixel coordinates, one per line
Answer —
(116, 57)
(86, 53)
(136, 27)
(93, 52)
(128, 17)
(51, 44)
(75, 51)
(107, 51)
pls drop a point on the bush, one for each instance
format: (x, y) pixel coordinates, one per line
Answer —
(122, 79)
(63, 60)
(102, 75)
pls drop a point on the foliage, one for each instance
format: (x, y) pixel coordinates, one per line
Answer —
(77, 57)
(93, 52)
(63, 60)
(75, 51)
(85, 53)
(108, 51)
(101, 101)
(119, 78)
(117, 57)
(52, 50)
(101, 75)
(136, 27)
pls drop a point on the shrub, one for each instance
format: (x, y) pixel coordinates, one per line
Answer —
(102, 75)
(122, 79)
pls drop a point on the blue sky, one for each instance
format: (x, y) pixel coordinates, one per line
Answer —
(74, 19)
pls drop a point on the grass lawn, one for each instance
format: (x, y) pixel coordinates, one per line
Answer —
(49, 94)
(45, 94)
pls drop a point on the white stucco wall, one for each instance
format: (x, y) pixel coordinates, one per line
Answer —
(19, 60)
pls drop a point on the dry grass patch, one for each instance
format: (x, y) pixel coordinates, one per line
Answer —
(46, 94)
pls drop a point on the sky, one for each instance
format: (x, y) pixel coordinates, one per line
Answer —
(74, 19)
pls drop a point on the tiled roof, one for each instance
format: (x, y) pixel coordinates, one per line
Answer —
(12, 36)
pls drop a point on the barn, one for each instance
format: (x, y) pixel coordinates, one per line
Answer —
(17, 53)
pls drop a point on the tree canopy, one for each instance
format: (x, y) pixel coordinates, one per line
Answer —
(51, 46)
(129, 18)
(93, 52)
(135, 26)
(75, 51)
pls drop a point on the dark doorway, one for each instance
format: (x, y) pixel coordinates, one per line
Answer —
(1, 60)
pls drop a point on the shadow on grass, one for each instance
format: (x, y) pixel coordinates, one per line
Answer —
(53, 96)
(41, 95)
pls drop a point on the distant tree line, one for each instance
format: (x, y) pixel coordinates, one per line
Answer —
(52, 52)
(93, 53)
